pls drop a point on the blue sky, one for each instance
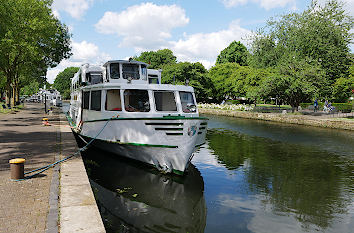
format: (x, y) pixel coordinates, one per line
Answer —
(194, 30)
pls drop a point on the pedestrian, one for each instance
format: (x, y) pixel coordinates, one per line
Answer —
(325, 107)
(315, 105)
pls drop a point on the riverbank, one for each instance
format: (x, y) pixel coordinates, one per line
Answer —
(325, 122)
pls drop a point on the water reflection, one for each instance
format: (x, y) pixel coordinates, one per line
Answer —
(133, 198)
(340, 142)
(276, 179)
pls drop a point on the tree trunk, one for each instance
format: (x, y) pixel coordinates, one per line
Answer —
(8, 94)
(13, 103)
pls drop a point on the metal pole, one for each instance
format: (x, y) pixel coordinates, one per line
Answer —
(45, 102)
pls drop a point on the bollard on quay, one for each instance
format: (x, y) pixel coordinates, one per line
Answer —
(17, 168)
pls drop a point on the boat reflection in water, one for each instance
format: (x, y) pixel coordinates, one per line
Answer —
(134, 198)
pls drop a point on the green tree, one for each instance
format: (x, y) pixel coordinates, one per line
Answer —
(158, 58)
(2, 86)
(221, 76)
(236, 52)
(30, 89)
(195, 73)
(63, 81)
(294, 82)
(30, 36)
(321, 33)
(343, 88)
(253, 84)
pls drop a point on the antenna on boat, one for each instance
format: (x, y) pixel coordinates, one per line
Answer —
(174, 80)
(187, 81)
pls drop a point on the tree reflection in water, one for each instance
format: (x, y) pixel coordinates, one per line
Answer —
(134, 198)
(314, 186)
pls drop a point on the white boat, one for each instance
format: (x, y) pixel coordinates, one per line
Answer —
(51, 97)
(126, 109)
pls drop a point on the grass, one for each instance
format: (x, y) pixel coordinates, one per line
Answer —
(13, 109)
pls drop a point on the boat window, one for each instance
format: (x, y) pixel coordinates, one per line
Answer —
(136, 101)
(144, 71)
(94, 78)
(153, 79)
(86, 100)
(113, 102)
(130, 71)
(187, 101)
(114, 70)
(165, 101)
(96, 100)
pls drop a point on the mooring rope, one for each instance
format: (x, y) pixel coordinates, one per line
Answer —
(44, 168)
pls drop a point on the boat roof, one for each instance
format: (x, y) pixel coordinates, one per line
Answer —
(156, 87)
(126, 62)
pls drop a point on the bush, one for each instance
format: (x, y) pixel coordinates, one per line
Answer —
(343, 107)
(310, 105)
(233, 102)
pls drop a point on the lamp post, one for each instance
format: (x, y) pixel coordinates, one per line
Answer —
(45, 101)
(45, 93)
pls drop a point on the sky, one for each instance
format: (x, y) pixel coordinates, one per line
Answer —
(195, 30)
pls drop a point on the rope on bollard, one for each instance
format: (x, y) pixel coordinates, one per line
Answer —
(44, 168)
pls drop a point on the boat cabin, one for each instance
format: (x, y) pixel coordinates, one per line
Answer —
(127, 89)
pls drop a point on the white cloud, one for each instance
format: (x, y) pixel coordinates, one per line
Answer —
(266, 4)
(75, 8)
(83, 52)
(148, 27)
(144, 26)
(205, 47)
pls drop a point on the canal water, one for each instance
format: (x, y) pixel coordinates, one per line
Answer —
(250, 176)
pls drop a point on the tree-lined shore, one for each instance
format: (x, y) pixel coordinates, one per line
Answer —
(296, 58)
(32, 40)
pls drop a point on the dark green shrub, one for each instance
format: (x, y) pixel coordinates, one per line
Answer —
(310, 105)
(343, 107)
(233, 102)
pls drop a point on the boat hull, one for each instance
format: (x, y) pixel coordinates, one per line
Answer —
(168, 145)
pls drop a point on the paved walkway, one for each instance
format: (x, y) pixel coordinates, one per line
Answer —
(24, 204)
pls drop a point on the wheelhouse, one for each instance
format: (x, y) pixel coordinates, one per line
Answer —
(128, 89)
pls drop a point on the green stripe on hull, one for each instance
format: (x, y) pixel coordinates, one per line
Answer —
(164, 123)
(178, 172)
(149, 118)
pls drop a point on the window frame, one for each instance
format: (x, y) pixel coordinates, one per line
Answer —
(110, 71)
(83, 100)
(121, 100)
(132, 65)
(124, 102)
(175, 99)
(99, 101)
(194, 100)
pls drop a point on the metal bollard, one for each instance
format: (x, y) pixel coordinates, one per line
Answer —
(17, 168)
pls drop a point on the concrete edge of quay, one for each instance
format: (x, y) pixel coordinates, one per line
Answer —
(78, 211)
(53, 211)
(285, 118)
